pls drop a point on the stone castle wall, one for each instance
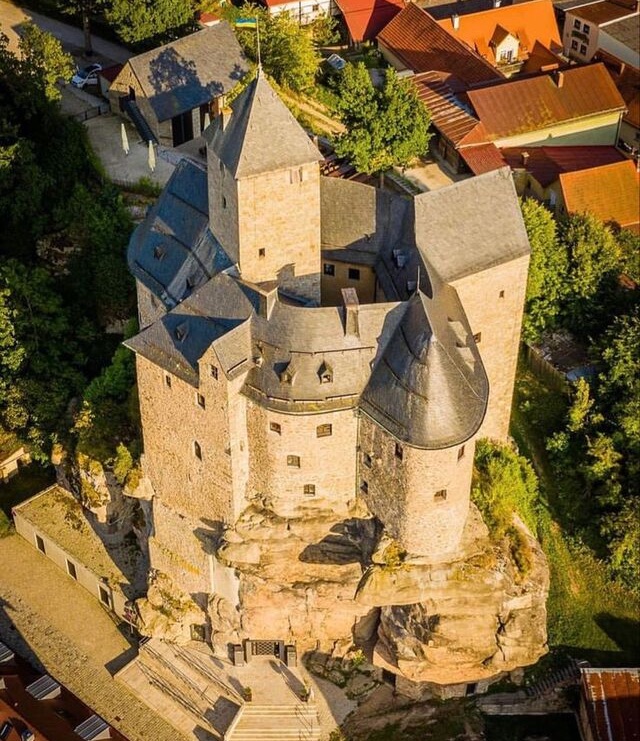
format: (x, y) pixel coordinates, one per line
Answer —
(497, 317)
(422, 497)
(284, 463)
(270, 224)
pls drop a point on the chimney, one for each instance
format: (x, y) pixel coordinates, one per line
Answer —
(225, 117)
(351, 308)
(525, 158)
(559, 78)
(268, 293)
(455, 21)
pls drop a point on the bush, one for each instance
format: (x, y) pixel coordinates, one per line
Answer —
(5, 525)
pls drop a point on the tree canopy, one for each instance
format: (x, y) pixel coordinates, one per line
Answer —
(45, 58)
(385, 127)
(150, 22)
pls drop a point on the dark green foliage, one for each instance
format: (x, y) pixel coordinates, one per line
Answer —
(286, 48)
(149, 23)
(385, 127)
(5, 525)
(45, 58)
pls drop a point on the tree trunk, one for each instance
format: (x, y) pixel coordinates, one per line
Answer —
(86, 27)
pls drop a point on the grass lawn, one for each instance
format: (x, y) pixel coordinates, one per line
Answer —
(589, 616)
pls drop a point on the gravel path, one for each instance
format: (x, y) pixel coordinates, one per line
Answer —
(55, 623)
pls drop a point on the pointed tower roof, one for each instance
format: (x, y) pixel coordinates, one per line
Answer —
(261, 135)
(429, 388)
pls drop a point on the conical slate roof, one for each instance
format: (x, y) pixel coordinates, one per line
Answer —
(429, 388)
(261, 135)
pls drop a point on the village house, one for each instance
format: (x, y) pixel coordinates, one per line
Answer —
(12, 455)
(172, 92)
(302, 11)
(627, 79)
(609, 192)
(537, 170)
(364, 19)
(610, 25)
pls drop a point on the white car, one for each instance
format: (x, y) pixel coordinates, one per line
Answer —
(86, 76)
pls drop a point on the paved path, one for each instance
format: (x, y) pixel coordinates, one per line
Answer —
(60, 626)
(72, 38)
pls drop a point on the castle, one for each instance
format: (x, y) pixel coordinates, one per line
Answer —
(312, 347)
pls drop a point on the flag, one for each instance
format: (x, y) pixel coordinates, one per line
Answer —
(152, 157)
(247, 23)
(125, 138)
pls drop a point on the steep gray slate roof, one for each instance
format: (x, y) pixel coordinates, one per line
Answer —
(178, 340)
(470, 226)
(173, 251)
(190, 71)
(261, 134)
(429, 388)
(305, 343)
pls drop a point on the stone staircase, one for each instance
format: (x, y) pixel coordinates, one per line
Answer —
(296, 722)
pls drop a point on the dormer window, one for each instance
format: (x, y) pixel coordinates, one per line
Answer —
(288, 374)
(181, 331)
(325, 372)
(191, 282)
(159, 252)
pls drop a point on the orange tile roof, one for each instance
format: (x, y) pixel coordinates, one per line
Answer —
(366, 18)
(609, 192)
(534, 103)
(530, 22)
(483, 158)
(417, 40)
(546, 163)
(612, 698)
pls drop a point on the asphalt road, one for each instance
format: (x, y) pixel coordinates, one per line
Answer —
(105, 52)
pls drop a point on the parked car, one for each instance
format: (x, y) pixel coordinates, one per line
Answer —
(86, 76)
(336, 62)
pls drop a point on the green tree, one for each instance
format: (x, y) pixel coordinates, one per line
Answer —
(44, 57)
(287, 51)
(546, 285)
(385, 127)
(149, 22)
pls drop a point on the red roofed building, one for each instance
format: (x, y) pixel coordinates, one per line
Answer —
(509, 37)
(609, 192)
(365, 19)
(303, 11)
(610, 704)
(627, 80)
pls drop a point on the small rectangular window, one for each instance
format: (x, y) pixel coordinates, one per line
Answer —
(275, 427)
(224, 202)
(71, 570)
(364, 487)
(586, 28)
(366, 459)
(477, 337)
(40, 544)
(293, 460)
(105, 597)
(197, 450)
(324, 430)
(441, 495)
(461, 452)
(301, 174)
(501, 294)
(200, 401)
(214, 371)
(399, 452)
(329, 269)
(262, 252)
(167, 380)
(574, 45)
(354, 274)
(576, 24)
(583, 49)
(309, 490)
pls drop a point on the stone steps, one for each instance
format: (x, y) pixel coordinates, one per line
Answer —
(274, 722)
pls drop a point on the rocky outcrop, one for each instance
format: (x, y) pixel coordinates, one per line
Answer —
(166, 612)
(328, 584)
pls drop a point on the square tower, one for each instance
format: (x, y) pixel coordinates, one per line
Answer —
(264, 191)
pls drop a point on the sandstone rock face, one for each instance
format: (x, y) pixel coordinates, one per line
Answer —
(327, 584)
(166, 613)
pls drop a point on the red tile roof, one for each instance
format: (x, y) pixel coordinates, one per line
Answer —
(603, 12)
(520, 106)
(366, 18)
(483, 158)
(530, 22)
(609, 192)
(627, 80)
(110, 73)
(448, 115)
(417, 41)
(612, 698)
(546, 164)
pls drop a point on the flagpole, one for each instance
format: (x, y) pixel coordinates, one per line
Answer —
(258, 39)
